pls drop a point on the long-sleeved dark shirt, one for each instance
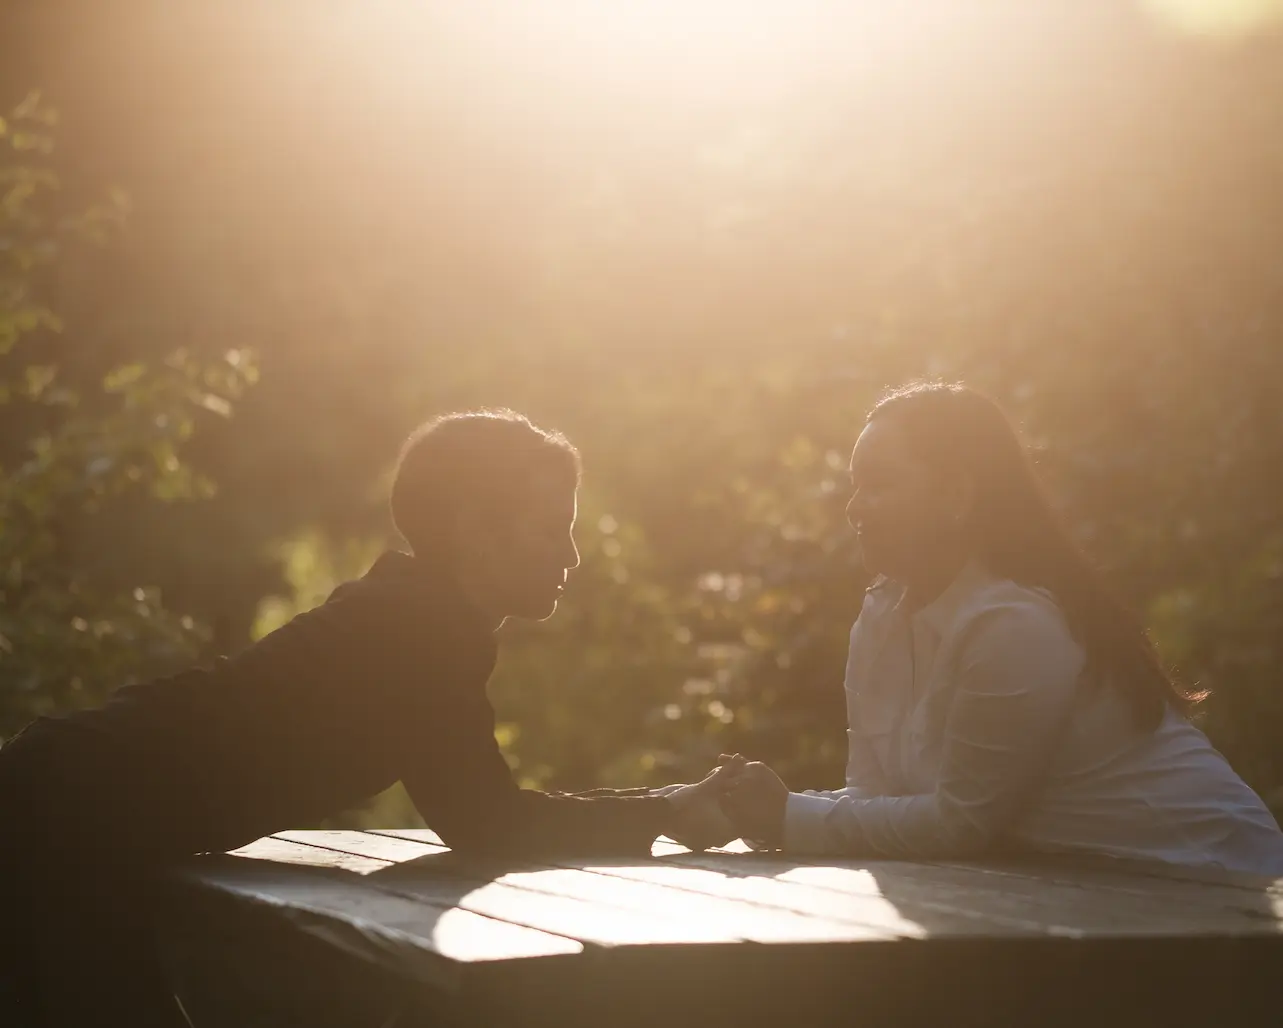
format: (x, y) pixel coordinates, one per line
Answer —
(383, 682)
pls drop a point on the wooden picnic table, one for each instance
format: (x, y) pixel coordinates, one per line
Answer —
(391, 928)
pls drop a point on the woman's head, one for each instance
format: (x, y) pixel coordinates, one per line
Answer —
(939, 474)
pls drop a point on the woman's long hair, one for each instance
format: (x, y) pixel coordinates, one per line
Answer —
(1019, 536)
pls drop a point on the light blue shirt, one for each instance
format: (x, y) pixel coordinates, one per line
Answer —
(973, 722)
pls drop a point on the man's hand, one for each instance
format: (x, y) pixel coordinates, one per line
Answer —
(754, 797)
(699, 821)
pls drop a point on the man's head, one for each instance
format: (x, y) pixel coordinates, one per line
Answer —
(494, 498)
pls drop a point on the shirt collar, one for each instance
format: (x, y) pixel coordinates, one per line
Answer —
(942, 612)
(425, 578)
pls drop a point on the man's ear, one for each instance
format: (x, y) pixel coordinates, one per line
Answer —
(465, 532)
(473, 533)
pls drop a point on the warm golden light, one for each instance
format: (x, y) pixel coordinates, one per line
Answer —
(699, 237)
(1218, 18)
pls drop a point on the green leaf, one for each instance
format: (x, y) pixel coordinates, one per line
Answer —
(36, 142)
(29, 106)
(38, 378)
(121, 378)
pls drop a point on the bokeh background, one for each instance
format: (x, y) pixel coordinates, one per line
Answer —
(245, 248)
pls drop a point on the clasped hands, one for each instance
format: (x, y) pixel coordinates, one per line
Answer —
(738, 799)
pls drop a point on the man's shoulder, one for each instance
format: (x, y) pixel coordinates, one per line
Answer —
(386, 594)
(397, 614)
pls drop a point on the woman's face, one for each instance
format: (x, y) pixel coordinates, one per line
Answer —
(900, 509)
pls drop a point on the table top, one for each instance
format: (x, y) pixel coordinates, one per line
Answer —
(400, 900)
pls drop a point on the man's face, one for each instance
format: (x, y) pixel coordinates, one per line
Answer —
(514, 562)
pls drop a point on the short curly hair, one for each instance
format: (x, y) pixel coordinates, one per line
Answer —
(478, 458)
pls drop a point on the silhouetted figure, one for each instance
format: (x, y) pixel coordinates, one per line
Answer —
(999, 697)
(383, 682)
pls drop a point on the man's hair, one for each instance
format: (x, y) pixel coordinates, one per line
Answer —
(482, 459)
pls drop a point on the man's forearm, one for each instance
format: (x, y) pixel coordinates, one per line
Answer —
(612, 823)
(503, 818)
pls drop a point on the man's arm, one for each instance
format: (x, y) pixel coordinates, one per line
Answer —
(466, 794)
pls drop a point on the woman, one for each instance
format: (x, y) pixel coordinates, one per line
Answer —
(998, 696)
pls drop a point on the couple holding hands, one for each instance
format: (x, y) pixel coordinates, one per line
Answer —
(998, 695)
(740, 799)
(999, 698)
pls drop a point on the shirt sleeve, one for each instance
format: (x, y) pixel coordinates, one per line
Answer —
(1015, 672)
(467, 795)
(853, 792)
(863, 771)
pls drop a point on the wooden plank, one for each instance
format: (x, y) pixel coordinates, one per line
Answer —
(1266, 903)
(1010, 960)
(934, 912)
(450, 884)
(1190, 888)
(284, 851)
(454, 879)
(1164, 906)
(749, 922)
(867, 908)
(922, 895)
(878, 916)
(696, 918)
(1062, 910)
(1130, 875)
(863, 916)
(795, 913)
(1257, 895)
(762, 897)
(586, 921)
(1141, 869)
(372, 923)
(377, 845)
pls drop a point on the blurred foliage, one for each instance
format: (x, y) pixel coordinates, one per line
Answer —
(702, 265)
(73, 447)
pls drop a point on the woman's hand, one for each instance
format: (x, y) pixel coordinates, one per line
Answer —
(754, 798)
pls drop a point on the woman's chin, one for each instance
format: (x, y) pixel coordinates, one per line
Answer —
(872, 560)
(538, 608)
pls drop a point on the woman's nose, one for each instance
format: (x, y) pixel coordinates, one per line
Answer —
(571, 557)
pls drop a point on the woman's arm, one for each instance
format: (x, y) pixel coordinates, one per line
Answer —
(1016, 671)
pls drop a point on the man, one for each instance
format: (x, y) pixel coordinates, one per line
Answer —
(383, 682)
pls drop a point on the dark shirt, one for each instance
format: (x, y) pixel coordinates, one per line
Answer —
(383, 682)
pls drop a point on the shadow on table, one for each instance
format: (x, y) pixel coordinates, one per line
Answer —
(264, 943)
(1097, 942)
(990, 950)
